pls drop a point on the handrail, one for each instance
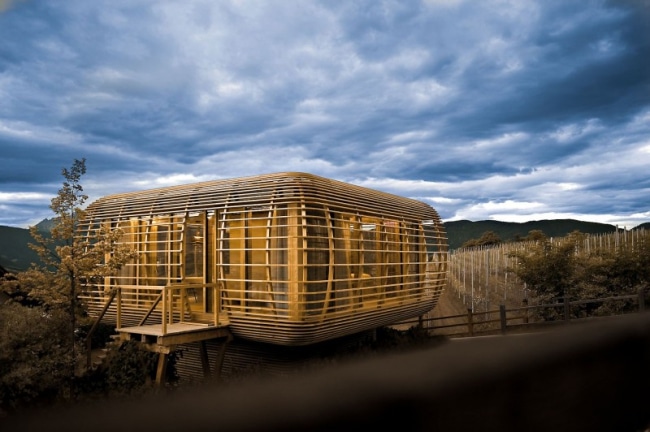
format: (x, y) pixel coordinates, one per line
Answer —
(168, 303)
(88, 340)
(166, 297)
(152, 308)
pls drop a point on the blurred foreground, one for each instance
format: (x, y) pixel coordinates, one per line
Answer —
(583, 377)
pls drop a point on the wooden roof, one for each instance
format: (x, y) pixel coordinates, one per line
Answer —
(260, 190)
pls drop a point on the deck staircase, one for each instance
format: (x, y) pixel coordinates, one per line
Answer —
(178, 324)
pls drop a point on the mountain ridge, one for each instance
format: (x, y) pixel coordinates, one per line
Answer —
(459, 232)
(16, 255)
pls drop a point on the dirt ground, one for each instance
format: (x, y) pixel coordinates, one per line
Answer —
(449, 304)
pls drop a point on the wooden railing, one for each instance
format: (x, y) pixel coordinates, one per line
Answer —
(524, 318)
(175, 305)
(168, 309)
(173, 308)
(89, 336)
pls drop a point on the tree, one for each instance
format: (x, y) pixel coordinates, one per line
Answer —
(488, 238)
(536, 235)
(549, 269)
(68, 261)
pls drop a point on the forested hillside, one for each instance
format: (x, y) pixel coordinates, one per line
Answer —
(15, 253)
(459, 232)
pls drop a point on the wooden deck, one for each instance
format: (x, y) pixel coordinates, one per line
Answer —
(176, 334)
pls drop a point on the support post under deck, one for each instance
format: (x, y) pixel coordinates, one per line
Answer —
(161, 370)
(205, 362)
(164, 342)
(218, 363)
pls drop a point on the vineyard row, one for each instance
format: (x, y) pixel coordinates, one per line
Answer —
(485, 277)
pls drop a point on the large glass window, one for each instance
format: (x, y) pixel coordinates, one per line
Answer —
(343, 268)
(279, 260)
(258, 290)
(194, 248)
(317, 244)
(160, 254)
(128, 273)
(412, 257)
(436, 249)
(254, 259)
(370, 236)
(232, 248)
(392, 261)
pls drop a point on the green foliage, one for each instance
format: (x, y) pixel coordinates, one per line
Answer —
(55, 280)
(68, 260)
(130, 369)
(101, 335)
(34, 356)
(535, 235)
(127, 371)
(548, 268)
(554, 271)
(488, 238)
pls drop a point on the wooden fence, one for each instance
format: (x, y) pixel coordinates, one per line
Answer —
(523, 319)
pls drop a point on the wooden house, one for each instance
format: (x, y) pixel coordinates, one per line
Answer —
(287, 258)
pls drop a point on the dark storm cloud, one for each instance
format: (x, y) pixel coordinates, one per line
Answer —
(497, 109)
(576, 63)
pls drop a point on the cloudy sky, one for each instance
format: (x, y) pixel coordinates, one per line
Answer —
(512, 110)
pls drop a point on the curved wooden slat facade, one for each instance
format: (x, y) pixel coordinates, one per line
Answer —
(294, 258)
